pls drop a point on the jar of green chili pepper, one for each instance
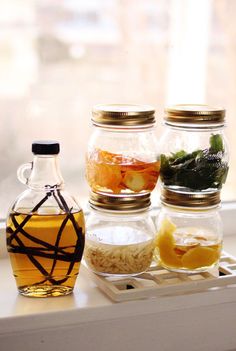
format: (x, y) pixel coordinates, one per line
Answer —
(194, 152)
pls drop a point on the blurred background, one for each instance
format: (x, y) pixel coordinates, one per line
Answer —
(60, 57)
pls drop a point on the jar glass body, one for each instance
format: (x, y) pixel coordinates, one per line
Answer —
(45, 233)
(122, 160)
(118, 243)
(188, 240)
(193, 158)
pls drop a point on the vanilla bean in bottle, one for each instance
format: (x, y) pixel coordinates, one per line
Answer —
(45, 228)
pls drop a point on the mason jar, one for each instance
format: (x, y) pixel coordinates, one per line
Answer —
(122, 156)
(120, 234)
(189, 231)
(194, 152)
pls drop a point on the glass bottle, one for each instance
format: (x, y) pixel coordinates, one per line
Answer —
(120, 234)
(45, 228)
(194, 151)
(189, 231)
(122, 155)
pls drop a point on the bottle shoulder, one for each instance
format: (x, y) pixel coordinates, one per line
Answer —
(45, 202)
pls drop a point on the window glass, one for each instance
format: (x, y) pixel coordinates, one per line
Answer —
(60, 57)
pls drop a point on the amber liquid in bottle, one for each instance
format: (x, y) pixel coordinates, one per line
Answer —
(45, 251)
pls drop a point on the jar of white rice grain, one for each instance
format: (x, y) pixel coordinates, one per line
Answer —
(120, 235)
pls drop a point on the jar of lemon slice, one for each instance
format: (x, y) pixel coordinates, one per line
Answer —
(189, 237)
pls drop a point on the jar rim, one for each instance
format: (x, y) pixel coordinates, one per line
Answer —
(120, 213)
(194, 127)
(192, 209)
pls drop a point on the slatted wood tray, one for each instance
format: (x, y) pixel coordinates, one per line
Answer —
(160, 282)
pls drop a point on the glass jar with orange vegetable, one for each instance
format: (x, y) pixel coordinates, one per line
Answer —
(122, 155)
(189, 237)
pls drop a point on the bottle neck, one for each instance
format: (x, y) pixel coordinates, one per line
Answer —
(45, 173)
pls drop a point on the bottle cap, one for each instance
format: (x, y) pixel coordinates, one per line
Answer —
(45, 147)
(119, 202)
(123, 115)
(194, 114)
(186, 199)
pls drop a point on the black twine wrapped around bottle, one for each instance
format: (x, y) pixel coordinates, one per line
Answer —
(47, 250)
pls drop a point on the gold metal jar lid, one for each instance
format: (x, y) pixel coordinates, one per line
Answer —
(186, 199)
(123, 115)
(119, 202)
(194, 114)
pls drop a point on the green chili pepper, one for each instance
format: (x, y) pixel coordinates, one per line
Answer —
(199, 170)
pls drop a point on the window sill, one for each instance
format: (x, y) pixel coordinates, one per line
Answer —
(88, 320)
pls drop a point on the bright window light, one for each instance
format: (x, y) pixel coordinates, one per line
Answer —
(189, 37)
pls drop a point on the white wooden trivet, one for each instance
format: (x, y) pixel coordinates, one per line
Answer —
(157, 281)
